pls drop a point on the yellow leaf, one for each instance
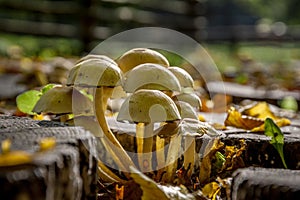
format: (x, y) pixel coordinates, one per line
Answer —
(47, 143)
(260, 110)
(236, 119)
(205, 167)
(15, 158)
(253, 118)
(211, 190)
(233, 157)
(39, 117)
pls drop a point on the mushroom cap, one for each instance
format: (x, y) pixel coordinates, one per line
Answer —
(95, 73)
(138, 56)
(184, 78)
(186, 110)
(60, 100)
(150, 76)
(96, 56)
(148, 106)
(190, 98)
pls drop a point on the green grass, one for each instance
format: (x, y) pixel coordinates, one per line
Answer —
(268, 53)
(39, 46)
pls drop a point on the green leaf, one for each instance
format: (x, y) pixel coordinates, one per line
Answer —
(48, 87)
(84, 92)
(27, 100)
(220, 159)
(277, 137)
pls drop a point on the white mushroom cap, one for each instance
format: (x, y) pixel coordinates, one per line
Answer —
(148, 106)
(138, 56)
(150, 76)
(88, 58)
(95, 73)
(186, 110)
(59, 100)
(96, 56)
(184, 78)
(190, 98)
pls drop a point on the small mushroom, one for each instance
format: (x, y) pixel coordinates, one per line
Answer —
(186, 102)
(59, 101)
(187, 112)
(155, 77)
(185, 79)
(138, 56)
(175, 134)
(147, 107)
(102, 75)
(190, 98)
(151, 76)
(90, 57)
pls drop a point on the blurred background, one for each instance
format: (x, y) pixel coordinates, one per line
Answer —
(252, 42)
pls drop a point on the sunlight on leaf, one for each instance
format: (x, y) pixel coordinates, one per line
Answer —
(260, 110)
(27, 100)
(253, 118)
(277, 137)
(48, 87)
(236, 119)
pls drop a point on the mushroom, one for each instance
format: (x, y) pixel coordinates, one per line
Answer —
(147, 107)
(102, 75)
(59, 101)
(190, 98)
(138, 56)
(184, 78)
(187, 112)
(151, 76)
(186, 103)
(95, 57)
(175, 132)
(155, 77)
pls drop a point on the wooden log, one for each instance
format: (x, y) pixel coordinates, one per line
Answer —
(269, 184)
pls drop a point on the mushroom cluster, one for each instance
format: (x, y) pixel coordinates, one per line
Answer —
(159, 99)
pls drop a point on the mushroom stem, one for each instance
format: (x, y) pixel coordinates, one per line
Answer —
(139, 142)
(147, 147)
(107, 92)
(172, 158)
(160, 156)
(114, 143)
(107, 175)
(189, 154)
(64, 118)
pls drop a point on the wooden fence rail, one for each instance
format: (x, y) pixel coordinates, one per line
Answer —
(89, 20)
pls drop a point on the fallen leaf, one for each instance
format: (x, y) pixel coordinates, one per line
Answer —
(206, 163)
(211, 190)
(236, 119)
(154, 191)
(260, 110)
(233, 159)
(253, 118)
